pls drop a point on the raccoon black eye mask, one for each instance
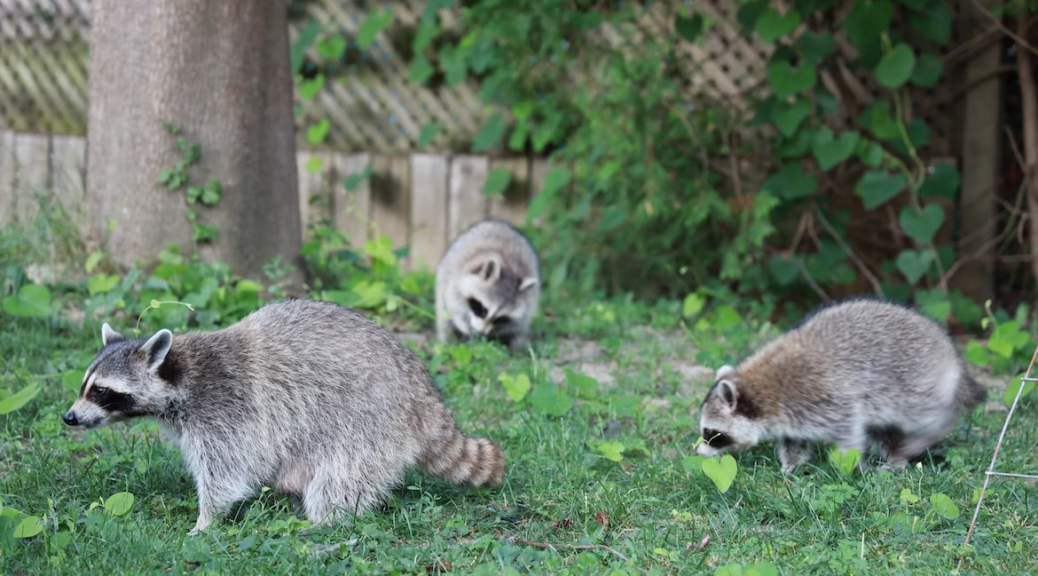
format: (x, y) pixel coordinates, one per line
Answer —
(305, 395)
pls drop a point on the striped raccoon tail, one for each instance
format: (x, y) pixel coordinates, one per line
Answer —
(463, 460)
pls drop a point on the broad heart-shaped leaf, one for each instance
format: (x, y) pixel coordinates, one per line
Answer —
(830, 151)
(611, 450)
(944, 506)
(547, 399)
(771, 25)
(317, 133)
(844, 460)
(791, 183)
(867, 20)
(927, 70)
(497, 181)
(815, 47)
(896, 67)
(376, 21)
(429, 131)
(693, 464)
(871, 153)
(921, 225)
(32, 301)
(28, 527)
(689, 28)
(785, 270)
(721, 472)
(332, 47)
(934, 23)
(914, 264)
(942, 181)
(786, 81)
(693, 304)
(516, 387)
(119, 504)
(878, 186)
(877, 118)
(789, 116)
(490, 134)
(20, 398)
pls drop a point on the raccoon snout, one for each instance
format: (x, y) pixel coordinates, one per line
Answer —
(71, 419)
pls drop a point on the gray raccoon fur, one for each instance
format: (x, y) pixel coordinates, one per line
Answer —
(858, 373)
(308, 395)
(488, 282)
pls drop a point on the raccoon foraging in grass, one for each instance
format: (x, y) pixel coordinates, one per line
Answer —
(858, 372)
(488, 283)
(308, 395)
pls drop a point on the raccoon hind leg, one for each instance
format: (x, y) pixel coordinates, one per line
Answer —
(335, 493)
(792, 453)
(891, 442)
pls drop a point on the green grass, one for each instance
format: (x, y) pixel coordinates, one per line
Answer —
(559, 490)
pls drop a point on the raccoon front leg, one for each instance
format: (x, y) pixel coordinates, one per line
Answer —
(793, 453)
(331, 495)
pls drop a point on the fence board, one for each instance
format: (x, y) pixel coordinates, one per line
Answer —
(511, 205)
(429, 200)
(68, 177)
(7, 188)
(391, 199)
(32, 173)
(467, 204)
(352, 209)
(314, 189)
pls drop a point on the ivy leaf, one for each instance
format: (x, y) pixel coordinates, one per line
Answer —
(309, 88)
(611, 450)
(791, 183)
(689, 28)
(454, 63)
(427, 32)
(918, 134)
(497, 181)
(815, 47)
(896, 67)
(878, 186)
(844, 461)
(490, 134)
(787, 81)
(721, 472)
(376, 21)
(306, 38)
(546, 131)
(942, 182)
(119, 504)
(877, 118)
(771, 25)
(318, 132)
(693, 304)
(421, 70)
(867, 21)
(914, 264)
(332, 47)
(789, 116)
(783, 268)
(553, 182)
(921, 225)
(353, 181)
(516, 387)
(870, 152)
(944, 506)
(830, 151)
(927, 70)
(934, 23)
(428, 133)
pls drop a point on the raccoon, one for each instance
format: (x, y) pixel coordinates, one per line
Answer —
(488, 283)
(861, 372)
(308, 395)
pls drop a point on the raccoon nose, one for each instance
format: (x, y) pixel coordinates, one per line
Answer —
(70, 418)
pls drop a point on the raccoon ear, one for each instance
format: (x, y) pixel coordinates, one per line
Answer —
(527, 283)
(723, 371)
(728, 393)
(108, 335)
(156, 348)
(489, 269)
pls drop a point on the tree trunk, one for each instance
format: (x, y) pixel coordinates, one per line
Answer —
(1029, 99)
(220, 71)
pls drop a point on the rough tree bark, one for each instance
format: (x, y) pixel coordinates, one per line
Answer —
(220, 70)
(1029, 99)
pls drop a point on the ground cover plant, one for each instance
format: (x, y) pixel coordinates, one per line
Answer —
(598, 421)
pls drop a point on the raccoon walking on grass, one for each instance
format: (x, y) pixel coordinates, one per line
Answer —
(859, 372)
(488, 283)
(308, 395)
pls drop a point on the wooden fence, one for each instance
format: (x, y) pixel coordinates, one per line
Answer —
(418, 200)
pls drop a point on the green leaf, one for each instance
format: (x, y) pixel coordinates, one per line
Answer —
(830, 151)
(786, 81)
(547, 399)
(305, 39)
(942, 182)
(1014, 387)
(877, 118)
(375, 22)
(212, 191)
(28, 527)
(421, 70)
(815, 47)
(927, 70)
(914, 4)
(381, 248)
(332, 47)
(72, 380)
(19, 399)
(693, 464)
(689, 28)
(455, 64)
(102, 283)
(309, 88)
(870, 152)
(516, 387)
(555, 180)
(878, 186)
(844, 461)
(921, 225)
(611, 450)
(721, 472)
(314, 164)
(353, 181)
(791, 183)
(580, 382)
(497, 181)
(693, 304)
(789, 116)
(944, 506)
(977, 354)
(934, 23)
(907, 497)
(92, 261)
(545, 132)
(119, 504)
(428, 133)
(490, 135)
(32, 301)
(318, 132)
(896, 68)
(914, 264)
(428, 30)
(771, 25)
(784, 269)
(867, 21)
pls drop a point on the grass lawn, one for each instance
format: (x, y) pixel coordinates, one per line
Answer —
(596, 453)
